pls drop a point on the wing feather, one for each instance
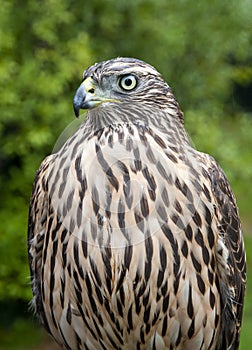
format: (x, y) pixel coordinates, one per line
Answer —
(38, 215)
(233, 287)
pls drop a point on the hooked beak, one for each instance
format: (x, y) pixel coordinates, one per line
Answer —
(88, 96)
(83, 96)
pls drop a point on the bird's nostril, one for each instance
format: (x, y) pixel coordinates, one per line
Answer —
(91, 90)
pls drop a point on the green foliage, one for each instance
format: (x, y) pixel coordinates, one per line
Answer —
(39, 74)
(23, 335)
(203, 49)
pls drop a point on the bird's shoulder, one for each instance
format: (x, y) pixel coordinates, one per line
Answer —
(37, 219)
(232, 263)
(37, 199)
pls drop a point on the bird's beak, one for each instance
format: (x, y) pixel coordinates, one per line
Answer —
(84, 97)
(88, 96)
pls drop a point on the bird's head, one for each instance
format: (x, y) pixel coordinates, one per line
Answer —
(121, 81)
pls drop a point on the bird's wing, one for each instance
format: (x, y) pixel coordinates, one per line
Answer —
(38, 215)
(232, 286)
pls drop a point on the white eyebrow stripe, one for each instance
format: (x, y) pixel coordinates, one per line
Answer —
(134, 69)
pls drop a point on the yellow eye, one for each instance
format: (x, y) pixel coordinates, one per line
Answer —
(128, 82)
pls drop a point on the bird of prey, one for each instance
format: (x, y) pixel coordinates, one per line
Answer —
(134, 236)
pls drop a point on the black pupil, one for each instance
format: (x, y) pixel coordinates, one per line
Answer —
(128, 81)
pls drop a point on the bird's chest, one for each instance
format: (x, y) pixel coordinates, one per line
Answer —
(123, 184)
(142, 256)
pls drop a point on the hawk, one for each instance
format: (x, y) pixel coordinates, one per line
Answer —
(134, 236)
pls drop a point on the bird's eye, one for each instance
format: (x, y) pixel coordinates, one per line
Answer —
(128, 82)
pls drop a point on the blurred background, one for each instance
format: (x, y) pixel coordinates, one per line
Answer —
(204, 51)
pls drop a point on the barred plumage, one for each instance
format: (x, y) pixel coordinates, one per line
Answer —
(134, 236)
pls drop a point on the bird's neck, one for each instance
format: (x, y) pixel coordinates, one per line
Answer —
(167, 121)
